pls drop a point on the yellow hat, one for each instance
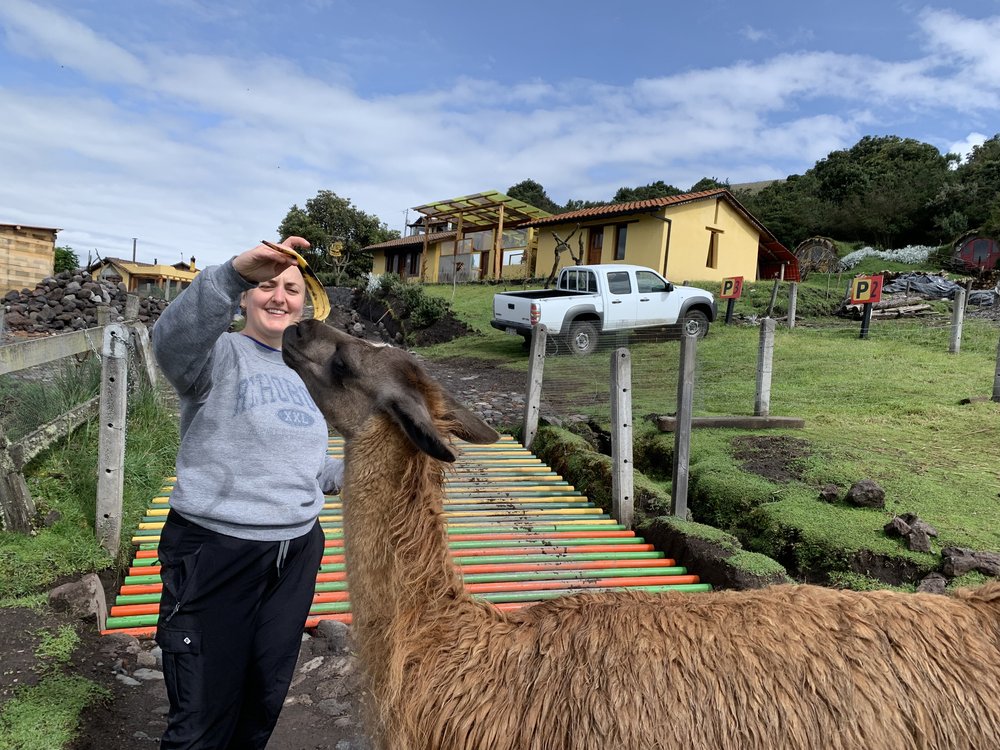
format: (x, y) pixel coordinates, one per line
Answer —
(320, 300)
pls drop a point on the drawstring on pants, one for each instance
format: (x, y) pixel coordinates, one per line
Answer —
(282, 554)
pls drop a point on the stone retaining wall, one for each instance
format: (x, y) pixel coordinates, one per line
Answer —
(68, 301)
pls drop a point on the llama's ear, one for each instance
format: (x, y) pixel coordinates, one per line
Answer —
(469, 427)
(412, 415)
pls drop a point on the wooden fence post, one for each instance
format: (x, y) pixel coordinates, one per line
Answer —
(957, 316)
(682, 434)
(143, 349)
(111, 440)
(996, 377)
(793, 294)
(131, 307)
(536, 368)
(622, 484)
(765, 355)
(17, 509)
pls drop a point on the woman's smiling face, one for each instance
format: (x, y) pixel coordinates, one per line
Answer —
(274, 305)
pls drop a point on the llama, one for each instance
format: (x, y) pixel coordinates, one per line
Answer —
(786, 667)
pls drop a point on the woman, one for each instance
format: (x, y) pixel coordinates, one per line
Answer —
(241, 545)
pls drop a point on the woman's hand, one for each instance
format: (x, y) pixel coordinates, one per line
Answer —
(262, 263)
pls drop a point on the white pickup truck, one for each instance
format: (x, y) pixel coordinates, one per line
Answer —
(588, 301)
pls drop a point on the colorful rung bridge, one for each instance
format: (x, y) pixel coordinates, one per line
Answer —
(517, 530)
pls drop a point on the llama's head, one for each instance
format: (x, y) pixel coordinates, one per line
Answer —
(352, 380)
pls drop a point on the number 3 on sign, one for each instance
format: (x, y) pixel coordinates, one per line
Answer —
(866, 289)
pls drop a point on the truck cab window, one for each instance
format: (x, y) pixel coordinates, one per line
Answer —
(618, 282)
(649, 282)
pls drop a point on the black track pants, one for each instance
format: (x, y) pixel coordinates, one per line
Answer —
(230, 625)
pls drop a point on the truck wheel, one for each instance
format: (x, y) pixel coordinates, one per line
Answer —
(583, 337)
(695, 323)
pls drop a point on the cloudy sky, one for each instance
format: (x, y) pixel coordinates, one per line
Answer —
(193, 125)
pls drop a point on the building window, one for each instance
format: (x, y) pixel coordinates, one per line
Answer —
(414, 263)
(388, 263)
(621, 232)
(713, 250)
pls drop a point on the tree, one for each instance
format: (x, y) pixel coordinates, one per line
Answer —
(575, 204)
(658, 189)
(708, 183)
(979, 178)
(534, 194)
(65, 260)
(328, 220)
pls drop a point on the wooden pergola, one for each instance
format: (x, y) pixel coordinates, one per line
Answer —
(480, 212)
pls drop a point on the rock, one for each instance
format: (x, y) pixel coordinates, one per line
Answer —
(126, 680)
(866, 494)
(333, 707)
(919, 541)
(336, 635)
(116, 643)
(897, 527)
(915, 522)
(933, 583)
(958, 561)
(83, 599)
(146, 659)
(147, 674)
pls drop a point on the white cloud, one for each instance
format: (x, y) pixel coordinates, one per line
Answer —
(754, 34)
(35, 31)
(202, 154)
(964, 147)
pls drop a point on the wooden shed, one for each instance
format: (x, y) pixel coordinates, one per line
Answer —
(161, 280)
(977, 252)
(27, 255)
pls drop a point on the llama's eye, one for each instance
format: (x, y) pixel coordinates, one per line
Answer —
(339, 366)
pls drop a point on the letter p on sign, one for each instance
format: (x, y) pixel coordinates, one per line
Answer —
(866, 289)
(732, 287)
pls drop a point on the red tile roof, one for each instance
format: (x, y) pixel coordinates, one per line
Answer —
(413, 239)
(617, 209)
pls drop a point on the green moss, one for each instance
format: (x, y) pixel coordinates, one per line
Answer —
(970, 580)
(757, 564)
(56, 648)
(46, 716)
(858, 582)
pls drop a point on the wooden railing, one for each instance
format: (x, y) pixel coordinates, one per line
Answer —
(115, 343)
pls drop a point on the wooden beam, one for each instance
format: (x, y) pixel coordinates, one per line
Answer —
(669, 424)
(498, 247)
(18, 356)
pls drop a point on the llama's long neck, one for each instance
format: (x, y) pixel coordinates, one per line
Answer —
(399, 567)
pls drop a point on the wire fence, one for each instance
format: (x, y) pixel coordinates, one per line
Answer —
(899, 361)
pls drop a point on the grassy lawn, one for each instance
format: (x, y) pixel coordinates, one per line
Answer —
(886, 408)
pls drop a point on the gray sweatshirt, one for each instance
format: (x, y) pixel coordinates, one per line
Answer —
(252, 462)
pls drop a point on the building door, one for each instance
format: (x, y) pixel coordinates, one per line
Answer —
(595, 243)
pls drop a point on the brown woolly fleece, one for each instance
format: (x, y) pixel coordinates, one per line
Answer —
(786, 667)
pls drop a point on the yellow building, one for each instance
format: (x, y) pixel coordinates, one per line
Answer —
(27, 255)
(480, 236)
(706, 236)
(158, 279)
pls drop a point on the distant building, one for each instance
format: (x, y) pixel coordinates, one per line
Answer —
(145, 279)
(27, 255)
(977, 252)
(473, 237)
(704, 236)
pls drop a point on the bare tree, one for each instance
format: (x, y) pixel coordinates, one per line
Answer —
(563, 244)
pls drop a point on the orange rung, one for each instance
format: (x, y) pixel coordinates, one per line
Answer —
(483, 588)
(552, 550)
(565, 565)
